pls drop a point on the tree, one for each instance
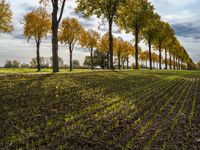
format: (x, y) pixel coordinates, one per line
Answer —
(175, 45)
(75, 63)
(87, 62)
(102, 8)
(89, 40)
(5, 17)
(57, 13)
(69, 34)
(155, 59)
(133, 17)
(171, 50)
(128, 50)
(44, 62)
(198, 65)
(144, 57)
(160, 38)
(37, 24)
(8, 64)
(118, 49)
(60, 61)
(183, 56)
(24, 65)
(103, 46)
(149, 33)
(15, 64)
(33, 63)
(191, 65)
(100, 59)
(12, 64)
(170, 35)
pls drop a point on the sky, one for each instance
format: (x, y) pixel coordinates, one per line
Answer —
(183, 16)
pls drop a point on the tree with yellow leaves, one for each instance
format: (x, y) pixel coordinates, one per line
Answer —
(128, 51)
(37, 24)
(5, 17)
(118, 49)
(103, 46)
(155, 59)
(144, 56)
(106, 9)
(162, 34)
(69, 34)
(133, 18)
(149, 34)
(89, 40)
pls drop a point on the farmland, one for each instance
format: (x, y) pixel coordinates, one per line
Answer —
(100, 110)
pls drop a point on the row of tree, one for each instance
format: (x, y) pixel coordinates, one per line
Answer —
(99, 60)
(137, 17)
(44, 63)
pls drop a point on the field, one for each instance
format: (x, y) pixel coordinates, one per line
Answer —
(4, 71)
(100, 110)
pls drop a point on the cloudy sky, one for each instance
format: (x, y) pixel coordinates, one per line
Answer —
(183, 15)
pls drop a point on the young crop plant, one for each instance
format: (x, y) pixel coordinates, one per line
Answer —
(148, 124)
(100, 110)
(188, 85)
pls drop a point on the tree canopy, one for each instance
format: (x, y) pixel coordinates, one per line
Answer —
(37, 24)
(133, 18)
(70, 33)
(5, 17)
(106, 9)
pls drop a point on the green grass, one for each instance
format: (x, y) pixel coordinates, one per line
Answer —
(86, 109)
(34, 71)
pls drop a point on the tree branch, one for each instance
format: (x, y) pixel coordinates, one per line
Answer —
(53, 3)
(62, 9)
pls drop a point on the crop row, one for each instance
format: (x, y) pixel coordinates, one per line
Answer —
(100, 110)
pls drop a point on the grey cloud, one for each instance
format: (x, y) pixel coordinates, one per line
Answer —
(87, 24)
(78, 15)
(185, 23)
(187, 30)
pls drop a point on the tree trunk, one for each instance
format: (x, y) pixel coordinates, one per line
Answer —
(123, 66)
(102, 63)
(111, 43)
(181, 65)
(166, 59)
(38, 56)
(174, 62)
(150, 58)
(157, 65)
(178, 64)
(119, 61)
(136, 49)
(108, 61)
(55, 39)
(146, 64)
(170, 62)
(160, 56)
(91, 55)
(127, 61)
(70, 59)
